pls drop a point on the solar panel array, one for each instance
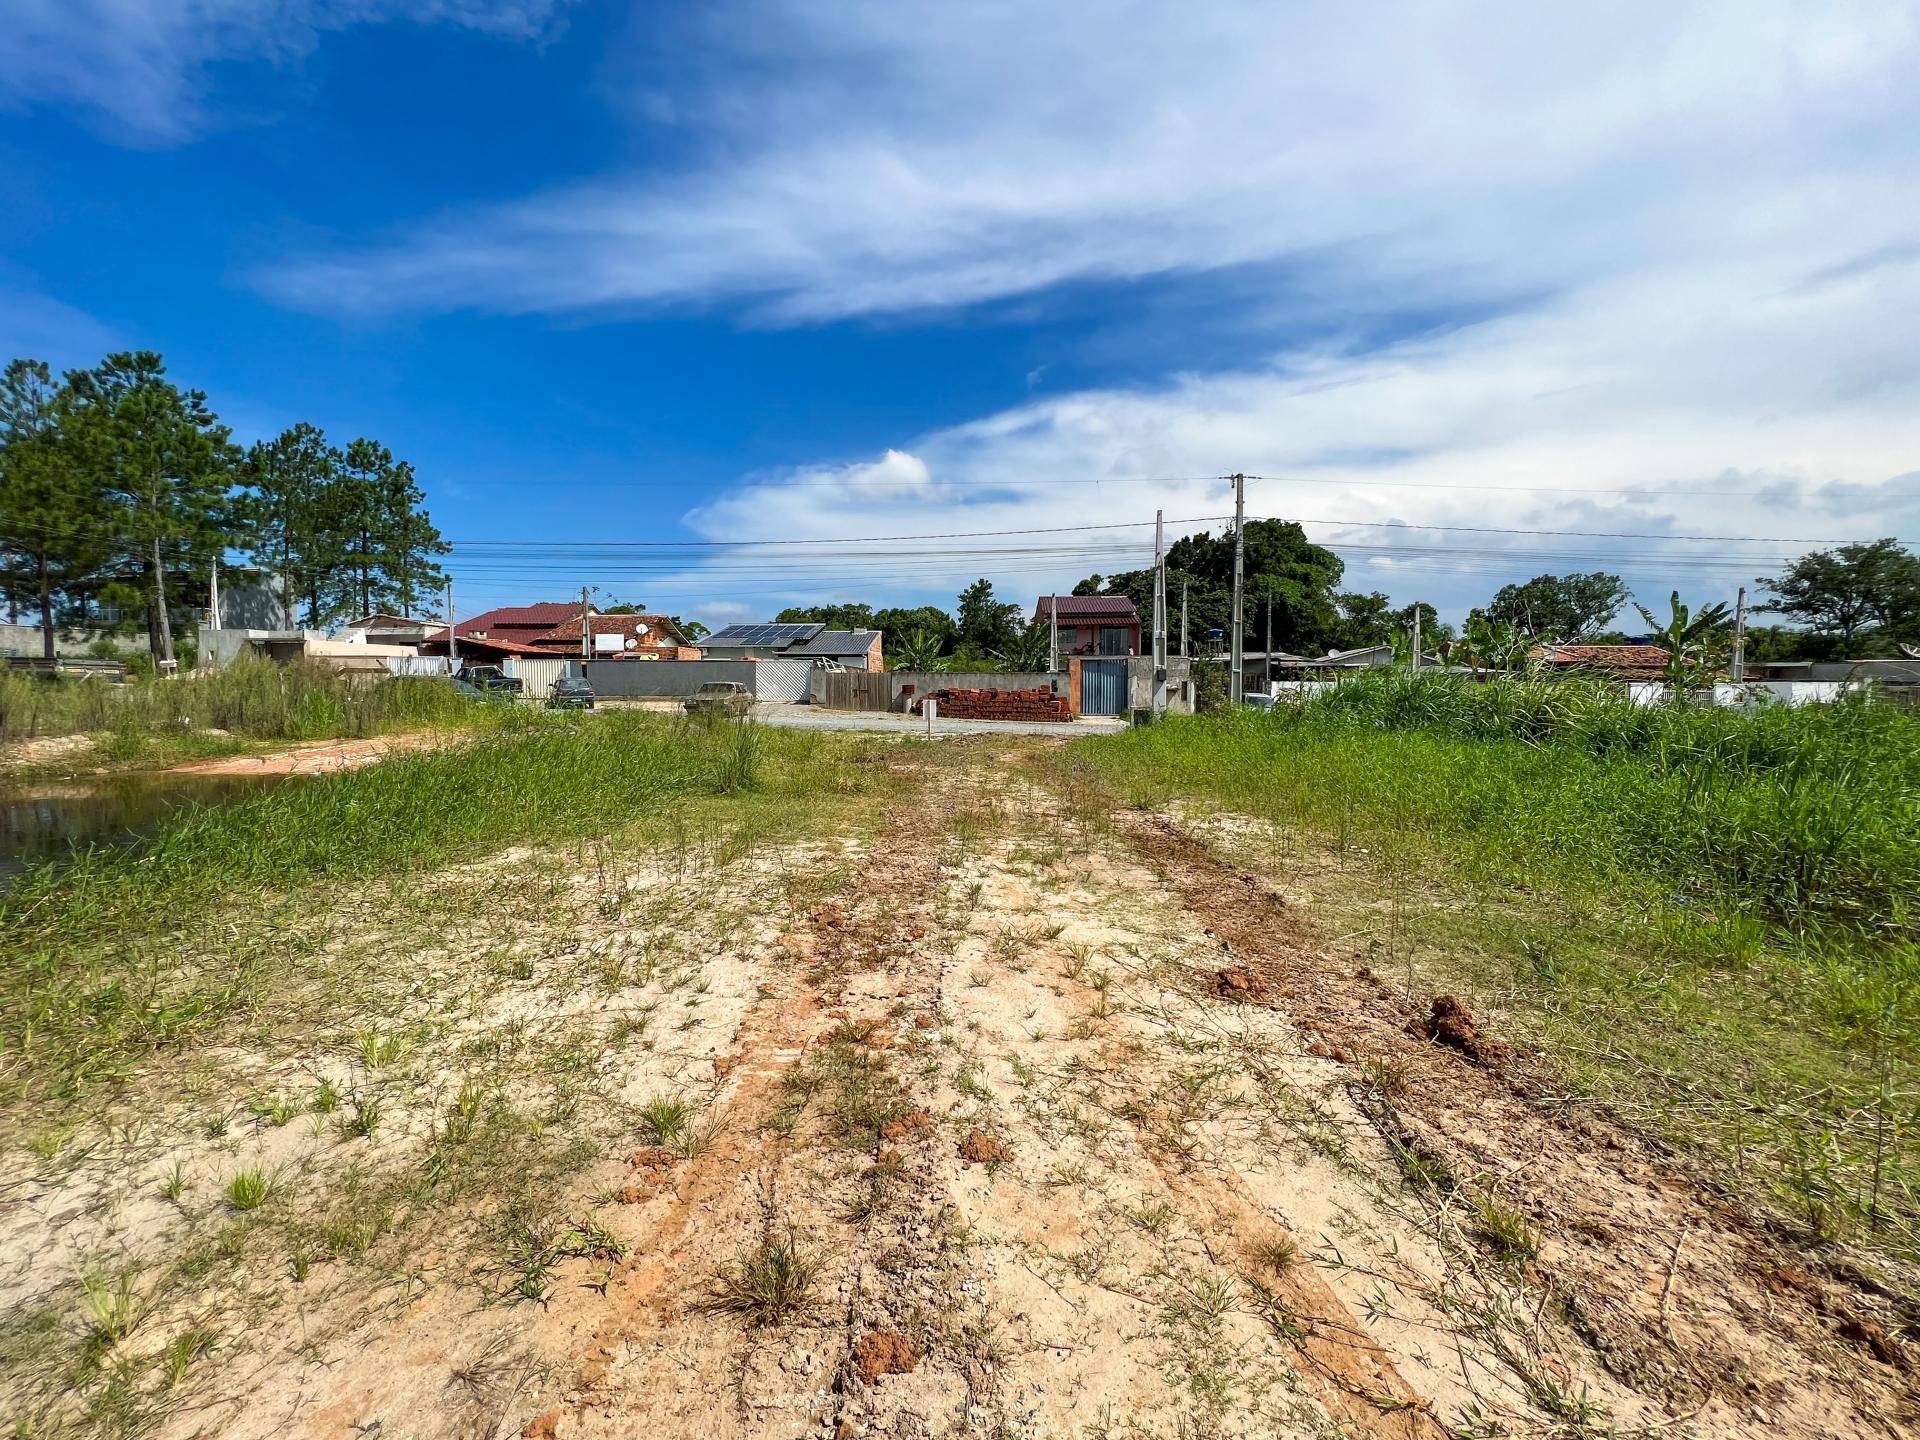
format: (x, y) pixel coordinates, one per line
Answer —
(772, 635)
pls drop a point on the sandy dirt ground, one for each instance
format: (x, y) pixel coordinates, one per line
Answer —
(316, 757)
(1040, 1122)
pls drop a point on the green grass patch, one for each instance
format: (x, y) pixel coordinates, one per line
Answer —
(120, 954)
(1706, 917)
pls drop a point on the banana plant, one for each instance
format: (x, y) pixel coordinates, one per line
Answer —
(1030, 650)
(1691, 638)
(919, 650)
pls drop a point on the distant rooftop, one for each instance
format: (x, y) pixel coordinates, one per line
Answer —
(767, 636)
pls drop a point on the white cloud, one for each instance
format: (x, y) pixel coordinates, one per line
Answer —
(1708, 385)
(867, 157)
(141, 66)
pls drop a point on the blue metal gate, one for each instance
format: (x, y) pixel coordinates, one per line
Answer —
(1103, 687)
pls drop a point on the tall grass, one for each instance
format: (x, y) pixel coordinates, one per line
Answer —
(250, 697)
(1708, 916)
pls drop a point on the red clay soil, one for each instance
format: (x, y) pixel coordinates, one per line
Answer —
(901, 1126)
(1236, 982)
(980, 1148)
(1722, 1314)
(1451, 1023)
(883, 1352)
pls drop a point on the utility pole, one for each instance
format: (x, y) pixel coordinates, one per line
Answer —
(1186, 648)
(1739, 666)
(1236, 690)
(1053, 634)
(1416, 637)
(586, 631)
(1266, 664)
(1159, 615)
(213, 595)
(453, 640)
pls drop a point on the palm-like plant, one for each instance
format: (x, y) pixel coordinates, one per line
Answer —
(919, 650)
(1691, 638)
(1030, 650)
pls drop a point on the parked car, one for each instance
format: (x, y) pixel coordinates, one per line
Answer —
(490, 679)
(719, 697)
(570, 693)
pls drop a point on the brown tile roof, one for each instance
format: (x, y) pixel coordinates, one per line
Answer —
(1085, 607)
(659, 629)
(543, 616)
(1604, 657)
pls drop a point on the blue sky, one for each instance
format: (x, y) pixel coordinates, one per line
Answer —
(805, 270)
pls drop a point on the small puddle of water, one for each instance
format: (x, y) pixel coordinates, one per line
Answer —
(52, 822)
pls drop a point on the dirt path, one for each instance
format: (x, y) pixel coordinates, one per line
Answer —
(1050, 1123)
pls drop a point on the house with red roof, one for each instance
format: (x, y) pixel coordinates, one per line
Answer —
(1091, 624)
(551, 630)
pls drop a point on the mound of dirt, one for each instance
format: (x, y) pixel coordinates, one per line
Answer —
(901, 1126)
(980, 1148)
(1453, 1025)
(883, 1352)
(1239, 984)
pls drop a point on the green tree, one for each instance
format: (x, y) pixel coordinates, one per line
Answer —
(290, 484)
(52, 517)
(1563, 608)
(987, 625)
(1851, 592)
(901, 620)
(1365, 620)
(1281, 563)
(166, 465)
(834, 617)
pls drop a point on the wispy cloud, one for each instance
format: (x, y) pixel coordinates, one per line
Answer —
(141, 67)
(864, 158)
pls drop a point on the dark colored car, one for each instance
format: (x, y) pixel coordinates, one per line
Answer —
(490, 679)
(570, 693)
(719, 697)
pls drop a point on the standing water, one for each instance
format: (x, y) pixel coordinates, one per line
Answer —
(55, 821)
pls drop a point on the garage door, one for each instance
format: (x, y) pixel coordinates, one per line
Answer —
(1103, 687)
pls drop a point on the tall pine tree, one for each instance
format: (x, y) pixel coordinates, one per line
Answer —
(52, 524)
(166, 466)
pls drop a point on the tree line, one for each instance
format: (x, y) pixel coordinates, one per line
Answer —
(120, 492)
(1854, 601)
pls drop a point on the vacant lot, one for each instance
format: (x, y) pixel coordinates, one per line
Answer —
(627, 1078)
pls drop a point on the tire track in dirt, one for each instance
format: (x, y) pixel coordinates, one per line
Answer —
(658, 1360)
(1680, 1296)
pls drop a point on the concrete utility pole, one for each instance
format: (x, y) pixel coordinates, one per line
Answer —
(1236, 689)
(1739, 666)
(1186, 649)
(1266, 664)
(453, 640)
(1416, 637)
(586, 630)
(1053, 635)
(1159, 615)
(213, 595)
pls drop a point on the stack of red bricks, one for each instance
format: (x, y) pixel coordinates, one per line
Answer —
(1041, 704)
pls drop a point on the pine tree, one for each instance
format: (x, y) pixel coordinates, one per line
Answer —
(289, 481)
(51, 526)
(166, 466)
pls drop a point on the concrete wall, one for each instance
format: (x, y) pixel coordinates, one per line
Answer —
(669, 679)
(25, 640)
(904, 686)
(1179, 684)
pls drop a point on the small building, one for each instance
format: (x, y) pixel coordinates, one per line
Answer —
(381, 628)
(807, 640)
(1091, 624)
(552, 631)
(621, 637)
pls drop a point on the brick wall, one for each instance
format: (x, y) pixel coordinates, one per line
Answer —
(998, 705)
